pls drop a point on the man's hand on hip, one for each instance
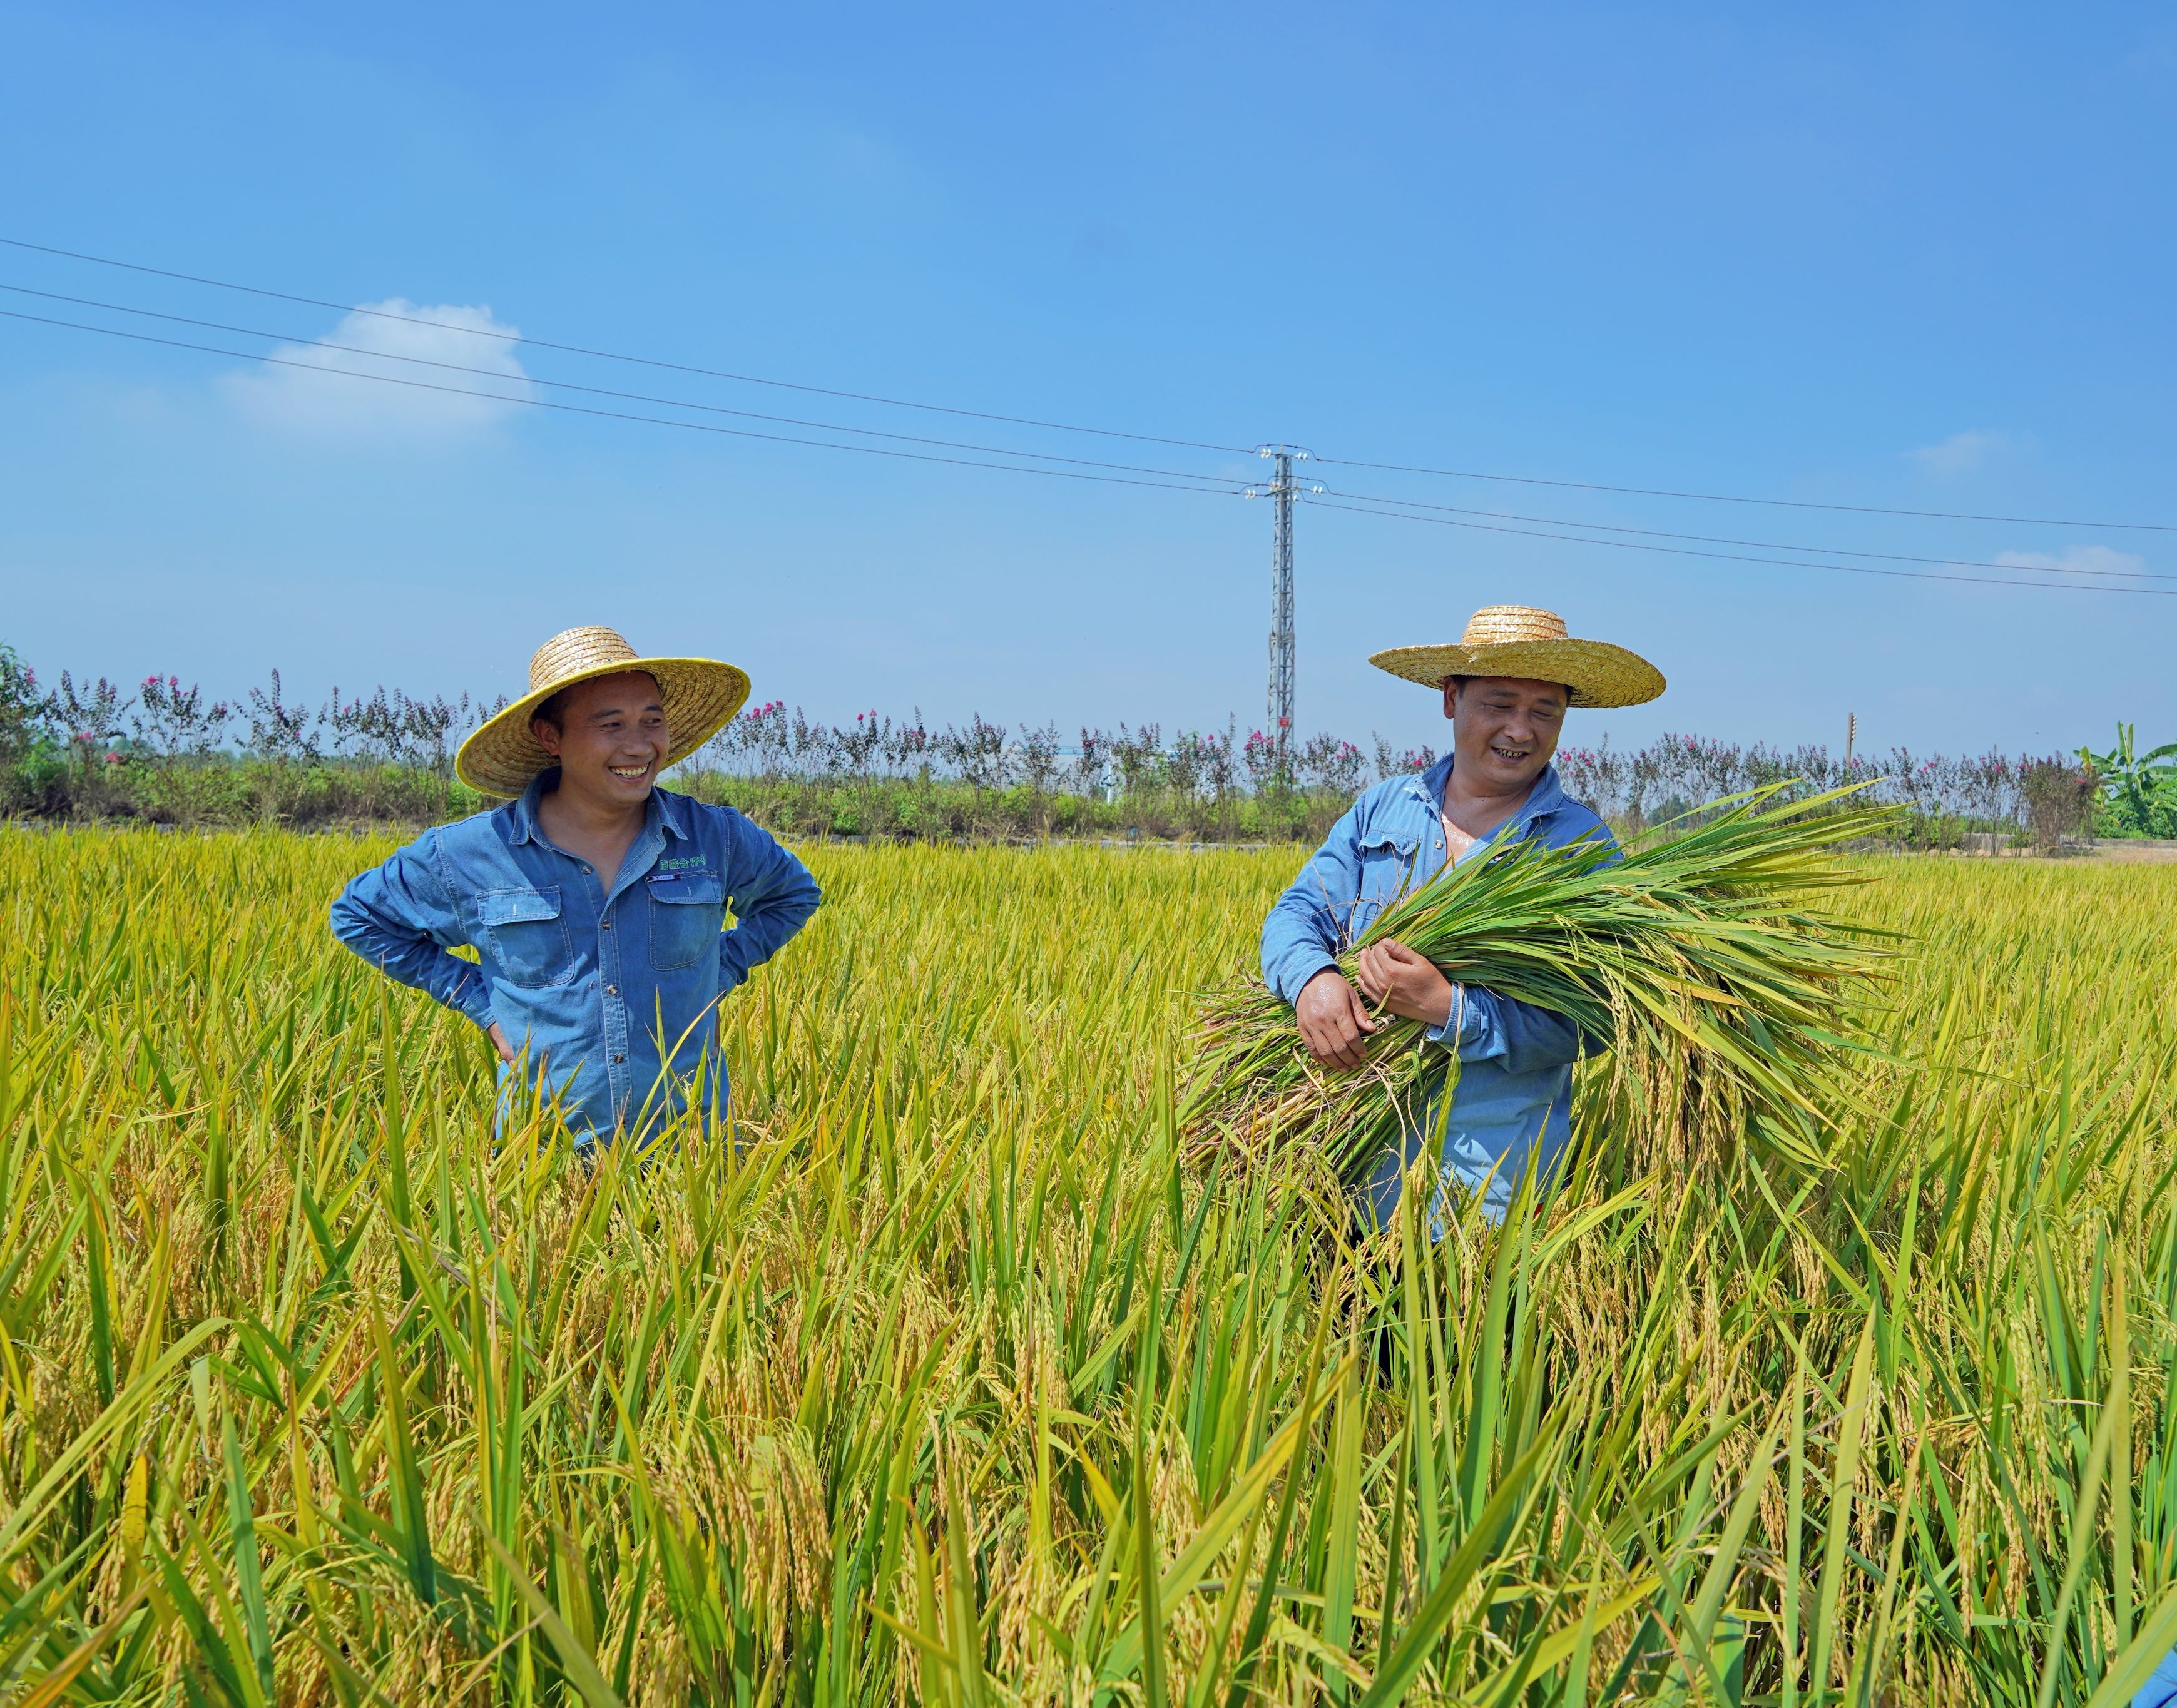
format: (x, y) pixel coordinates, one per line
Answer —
(1334, 1022)
(1402, 983)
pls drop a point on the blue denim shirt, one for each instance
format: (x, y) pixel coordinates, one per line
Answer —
(2161, 1690)
(614, 994)
(1515, 1088)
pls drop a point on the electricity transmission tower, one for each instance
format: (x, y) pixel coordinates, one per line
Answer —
(1280, 491)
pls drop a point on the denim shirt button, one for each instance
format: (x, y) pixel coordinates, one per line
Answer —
(612, 990)
(604, 925)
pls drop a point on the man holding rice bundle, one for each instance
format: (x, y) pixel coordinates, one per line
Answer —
(594, 901)
(1507, 686)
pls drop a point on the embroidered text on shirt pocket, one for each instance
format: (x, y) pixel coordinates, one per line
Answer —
(527, 937)
(686, 911)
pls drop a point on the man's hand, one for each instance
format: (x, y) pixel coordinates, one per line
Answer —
(498, 1043)
(1401, 982)
(1333, 1024)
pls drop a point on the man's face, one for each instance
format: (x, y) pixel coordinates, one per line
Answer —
(612, 740)
(1504, 728)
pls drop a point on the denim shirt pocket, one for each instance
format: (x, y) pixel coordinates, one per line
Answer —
(527, 937)
(687, 910)
(1387, 866)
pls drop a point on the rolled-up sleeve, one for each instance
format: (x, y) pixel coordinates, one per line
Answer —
(773, 896)
(1306, 926)
(1518, 1036)
(401, 918)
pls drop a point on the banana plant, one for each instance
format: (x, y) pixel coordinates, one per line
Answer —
(2143, 787)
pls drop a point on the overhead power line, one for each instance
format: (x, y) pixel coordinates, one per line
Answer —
(591, 391)
(619, 356)
(1041, 425)
(1178, 485)
(2088, 579)
(1174, 485)
(1221, 481)
(1741, 558)
(1761, 545)
(1043, 456)
(1867, 509)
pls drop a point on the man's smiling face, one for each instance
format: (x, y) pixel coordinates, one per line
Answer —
(610, 738)
(1504, 728)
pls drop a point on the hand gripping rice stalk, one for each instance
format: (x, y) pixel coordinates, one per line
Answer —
(1699, 957)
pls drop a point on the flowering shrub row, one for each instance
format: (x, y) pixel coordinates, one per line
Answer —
(772, 745)
(168, 751)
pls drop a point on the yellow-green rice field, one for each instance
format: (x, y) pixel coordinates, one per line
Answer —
(962, 1379)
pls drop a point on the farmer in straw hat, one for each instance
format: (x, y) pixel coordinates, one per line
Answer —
(1506, 686)
(593, 899)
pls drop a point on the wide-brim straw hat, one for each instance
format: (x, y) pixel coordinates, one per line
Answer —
(699, 695)
(1522, 641)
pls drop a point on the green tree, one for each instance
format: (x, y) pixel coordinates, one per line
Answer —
(21, 707)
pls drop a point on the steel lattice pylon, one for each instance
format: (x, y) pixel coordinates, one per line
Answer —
(1281, 604)
(1280, 492)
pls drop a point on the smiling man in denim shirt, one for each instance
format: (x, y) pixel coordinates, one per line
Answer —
(594, 900)
(1506, 687)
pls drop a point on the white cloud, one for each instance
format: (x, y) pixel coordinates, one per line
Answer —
(2091, 561)
(287, 395)
(1961, 452)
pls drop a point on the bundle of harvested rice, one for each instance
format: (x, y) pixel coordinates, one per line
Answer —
(1697, 956)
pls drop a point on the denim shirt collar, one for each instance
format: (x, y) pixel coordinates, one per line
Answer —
(1545, 798)
(663, 810)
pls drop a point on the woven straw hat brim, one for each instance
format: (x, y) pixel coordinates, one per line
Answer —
(700, 695)
(1595, 672)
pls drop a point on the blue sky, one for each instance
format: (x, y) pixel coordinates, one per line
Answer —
(1908, 257)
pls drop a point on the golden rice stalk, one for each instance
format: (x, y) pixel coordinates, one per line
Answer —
(1697, 956)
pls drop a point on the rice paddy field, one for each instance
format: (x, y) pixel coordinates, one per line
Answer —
(965, 1378)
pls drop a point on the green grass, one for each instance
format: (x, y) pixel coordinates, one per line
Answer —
(960, 1380)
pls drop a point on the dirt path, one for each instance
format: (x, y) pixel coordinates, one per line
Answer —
(2130, 852)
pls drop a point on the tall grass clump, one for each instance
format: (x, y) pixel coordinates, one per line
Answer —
(951, 1379)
